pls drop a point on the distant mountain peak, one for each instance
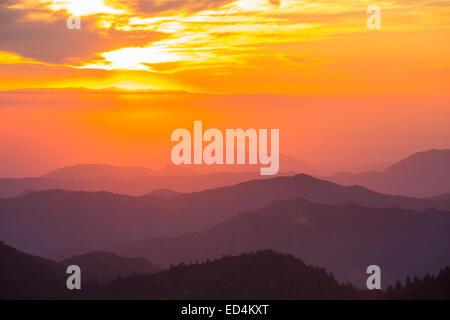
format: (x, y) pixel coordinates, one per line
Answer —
(422, 174)
(163, 193)
(95, 171)
(422, 159)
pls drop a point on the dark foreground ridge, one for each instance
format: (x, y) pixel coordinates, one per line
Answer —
(106, 266)
(261, 275)
(264, 275)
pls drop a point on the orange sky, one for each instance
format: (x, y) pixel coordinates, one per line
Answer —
(340, 94)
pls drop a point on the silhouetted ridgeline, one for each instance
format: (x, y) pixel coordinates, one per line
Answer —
(344, 239)
(130, 185)
(23, 276)
(430, 287)
(106, 266)
(259, 275)
(53, 219)
(423, 174)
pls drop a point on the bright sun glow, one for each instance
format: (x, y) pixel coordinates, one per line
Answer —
(84, 7)
(134, 85)
(252, 40)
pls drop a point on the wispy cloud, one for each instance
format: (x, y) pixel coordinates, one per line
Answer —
(226, 37)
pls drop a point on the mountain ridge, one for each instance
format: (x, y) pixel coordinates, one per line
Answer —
(345, 239)
(263, 274)
(106, 266)
(104, 217)
(423, 174)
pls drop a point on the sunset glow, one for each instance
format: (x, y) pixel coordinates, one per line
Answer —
(321, 67)
(303, 41)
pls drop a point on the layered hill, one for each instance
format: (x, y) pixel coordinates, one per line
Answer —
(129, 185)
(345, 239)
(48, 221)
(24, 276)
(261, 275)
(422, 174)
(106, 266)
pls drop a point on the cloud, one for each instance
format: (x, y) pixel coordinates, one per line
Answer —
(51, 41)
(439, 4)
(239, 39)
(152, 7)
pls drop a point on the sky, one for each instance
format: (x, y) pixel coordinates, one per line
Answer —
(113, 91)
